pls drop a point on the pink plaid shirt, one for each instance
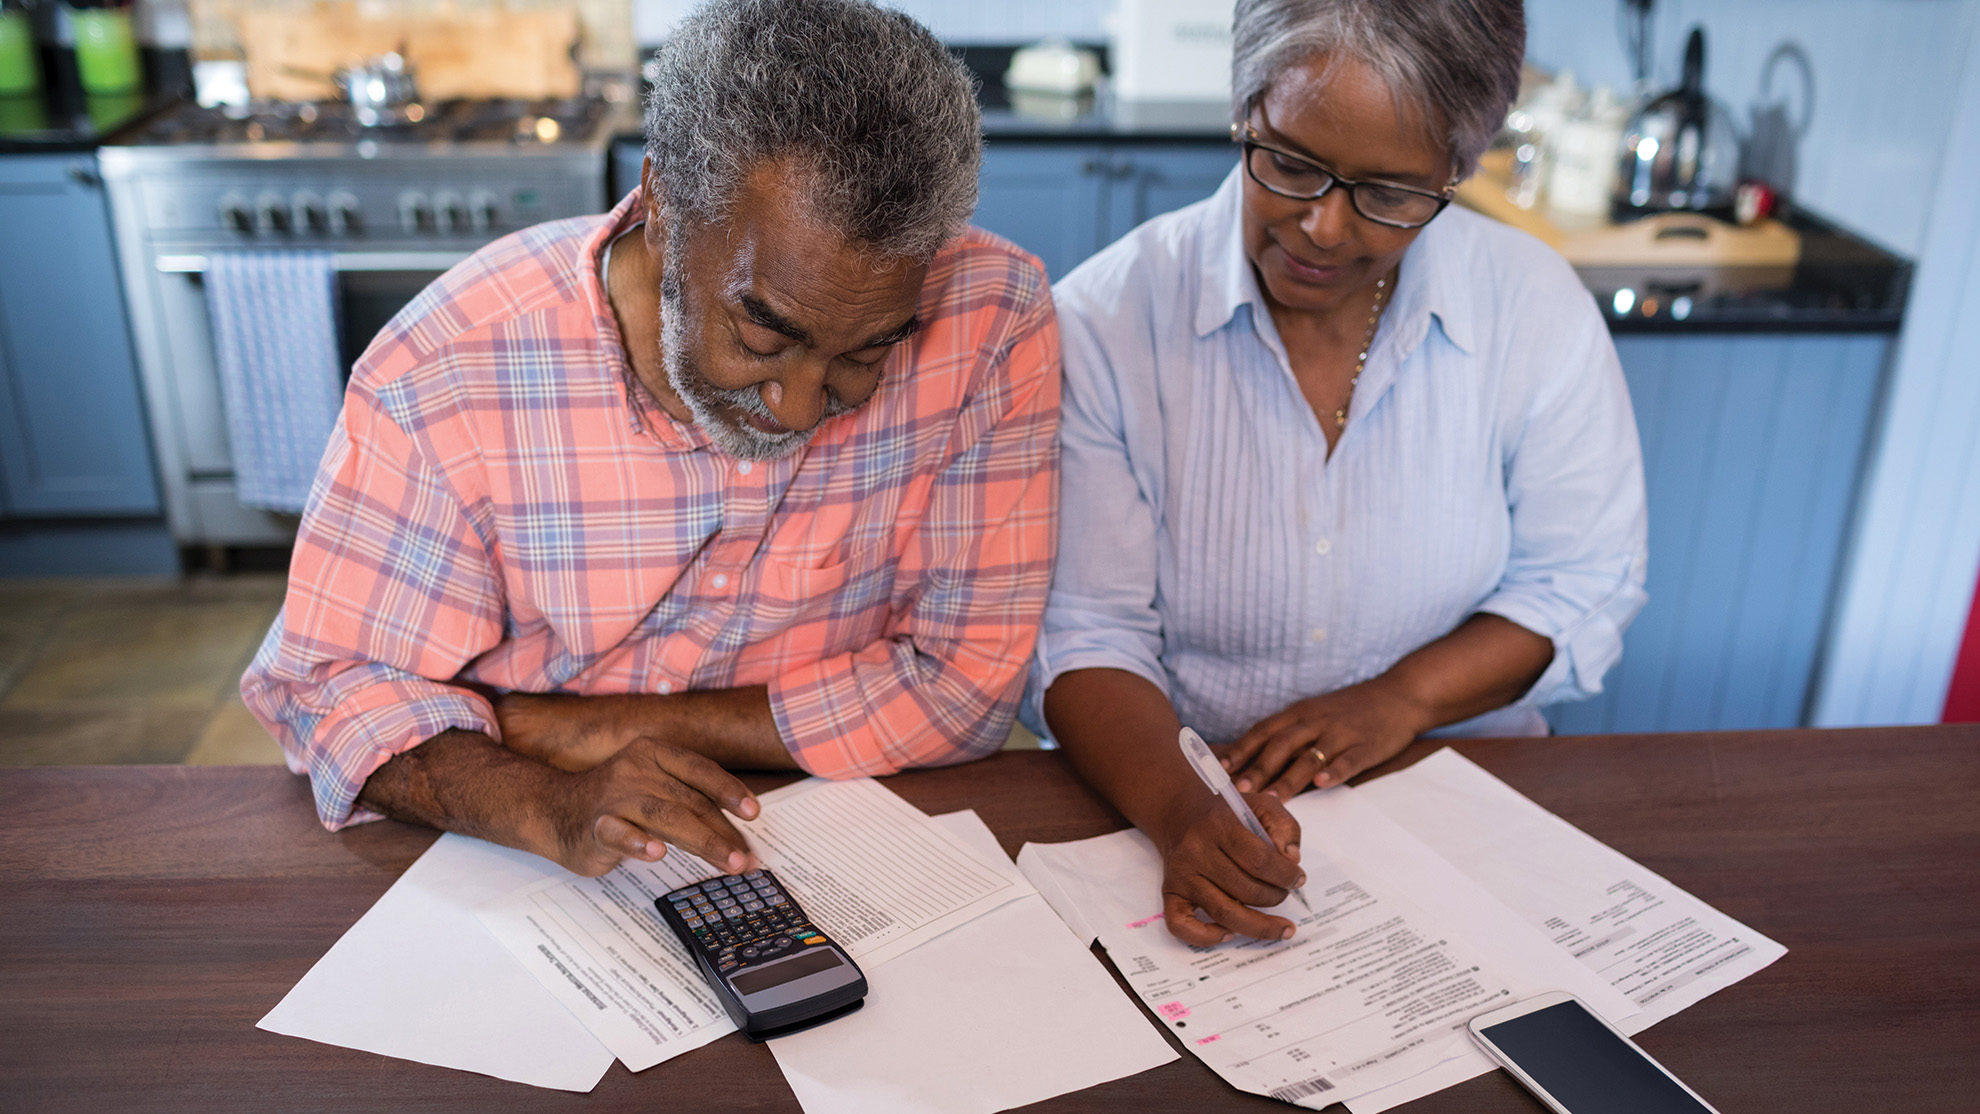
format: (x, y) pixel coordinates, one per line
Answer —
(502, 505)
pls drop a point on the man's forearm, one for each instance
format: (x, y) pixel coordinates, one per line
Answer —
(733, 727)
(465, 782)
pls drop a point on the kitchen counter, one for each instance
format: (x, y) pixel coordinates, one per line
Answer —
(1842, 283)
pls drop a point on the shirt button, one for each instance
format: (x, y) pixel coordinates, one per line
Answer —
(666, 687)
(746, 467)
(1323, 547)
(1318, 634)
(721, 580)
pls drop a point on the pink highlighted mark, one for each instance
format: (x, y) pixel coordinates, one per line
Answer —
(1174, 1011)
(1211, 1038)
(1145, 921)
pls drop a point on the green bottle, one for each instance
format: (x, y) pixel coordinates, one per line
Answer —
(20, 71)
(106, 50)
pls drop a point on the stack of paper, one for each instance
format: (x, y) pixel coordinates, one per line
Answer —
(570, 972)
(1442, 893)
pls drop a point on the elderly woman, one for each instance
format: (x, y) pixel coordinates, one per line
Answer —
(1342, 465)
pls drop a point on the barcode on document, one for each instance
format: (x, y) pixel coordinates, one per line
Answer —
(1294, 1091)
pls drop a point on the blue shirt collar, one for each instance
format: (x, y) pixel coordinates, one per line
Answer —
(1427, 286)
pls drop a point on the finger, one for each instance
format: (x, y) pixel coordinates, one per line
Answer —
(1180, 915)
(1277, 753)
(1248, 744)
(1253, 872)
(1239, 918)
(1264, 861)
(622, 839)
(707, 778)
(710, 836)
(1298, 775)
(1279, 824)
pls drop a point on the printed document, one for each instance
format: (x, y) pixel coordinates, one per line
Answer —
(1661, 947)
(1007, 1010)
(870, 869)
(1399, 951)
(417, 978)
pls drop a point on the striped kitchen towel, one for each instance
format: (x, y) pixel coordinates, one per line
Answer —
(275, 337)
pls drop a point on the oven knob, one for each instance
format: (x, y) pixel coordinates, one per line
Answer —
(345, 217)
(271, 215)
(481, 210)
(308, 214)
(449, 215)
(234, 215)
(415, 215)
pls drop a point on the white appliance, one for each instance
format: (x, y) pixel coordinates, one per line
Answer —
(1171, 50)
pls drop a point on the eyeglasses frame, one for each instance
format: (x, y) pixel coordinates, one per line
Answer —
(1247, 138)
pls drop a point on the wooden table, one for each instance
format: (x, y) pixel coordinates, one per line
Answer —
(150, 915)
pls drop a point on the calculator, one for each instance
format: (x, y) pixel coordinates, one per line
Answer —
(774, 970)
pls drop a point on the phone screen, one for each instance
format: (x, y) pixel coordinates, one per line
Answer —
(1581, 1063)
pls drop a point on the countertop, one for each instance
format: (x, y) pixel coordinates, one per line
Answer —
(61, 118)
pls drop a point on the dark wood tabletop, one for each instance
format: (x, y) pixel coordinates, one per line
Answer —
(149, 916)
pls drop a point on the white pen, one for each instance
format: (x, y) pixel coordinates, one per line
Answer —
(1212, 772)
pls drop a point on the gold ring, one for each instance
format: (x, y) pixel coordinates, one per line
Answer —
(1321, 755)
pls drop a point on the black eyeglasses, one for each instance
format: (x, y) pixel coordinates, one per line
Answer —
(1301, 179)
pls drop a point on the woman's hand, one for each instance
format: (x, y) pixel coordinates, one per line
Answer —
(1211, 862)
(1325, 740)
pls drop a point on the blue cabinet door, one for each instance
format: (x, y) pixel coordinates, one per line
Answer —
(1044, 197)
(1147, 181)
(72, 432)
(1752, 446)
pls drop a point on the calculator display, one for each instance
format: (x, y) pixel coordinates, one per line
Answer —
(796, 967)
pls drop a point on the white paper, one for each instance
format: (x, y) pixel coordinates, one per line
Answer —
(1399, 951)
(418, 978)
(1661, 947)
(1006, 1010)
(870, 869)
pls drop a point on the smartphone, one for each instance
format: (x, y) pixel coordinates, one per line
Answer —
(1577, 1063)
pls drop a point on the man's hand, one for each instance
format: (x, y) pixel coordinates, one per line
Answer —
(568, 732)
(1213, 863)
(645, 796)
(1326, 740)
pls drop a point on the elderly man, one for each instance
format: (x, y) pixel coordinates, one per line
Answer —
(757, 470)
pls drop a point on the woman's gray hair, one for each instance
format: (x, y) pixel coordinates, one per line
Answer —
(1456, 62)
(880, 120)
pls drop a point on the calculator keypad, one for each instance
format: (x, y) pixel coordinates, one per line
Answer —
(742, 919)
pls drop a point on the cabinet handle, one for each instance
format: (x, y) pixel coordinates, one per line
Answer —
(84, 175)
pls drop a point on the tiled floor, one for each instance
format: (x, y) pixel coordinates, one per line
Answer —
(107, 671)
(96, 672)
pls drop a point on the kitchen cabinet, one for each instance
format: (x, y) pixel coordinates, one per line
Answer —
(1752, 448)
(72, 431)
(1064, 201)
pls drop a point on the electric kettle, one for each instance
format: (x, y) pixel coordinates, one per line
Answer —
(1681, 150)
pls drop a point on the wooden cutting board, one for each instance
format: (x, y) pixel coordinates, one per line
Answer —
(1661, 240)
(527, 54)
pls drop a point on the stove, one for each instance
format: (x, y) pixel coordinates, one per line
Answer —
(396, 206)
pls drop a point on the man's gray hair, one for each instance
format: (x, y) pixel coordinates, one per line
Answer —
(1454, 62)
(880, 120)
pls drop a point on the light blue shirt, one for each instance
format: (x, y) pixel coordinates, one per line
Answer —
(1490, 464)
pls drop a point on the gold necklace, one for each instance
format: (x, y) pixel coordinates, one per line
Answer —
(1367, 342)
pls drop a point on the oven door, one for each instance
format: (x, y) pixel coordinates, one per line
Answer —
(372, 286)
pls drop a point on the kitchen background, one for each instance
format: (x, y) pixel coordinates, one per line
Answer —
(1809, 419)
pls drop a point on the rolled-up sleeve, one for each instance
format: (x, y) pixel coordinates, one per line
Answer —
(390, 592)
(1574, 487)
(943, 683)
(1101, 613)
